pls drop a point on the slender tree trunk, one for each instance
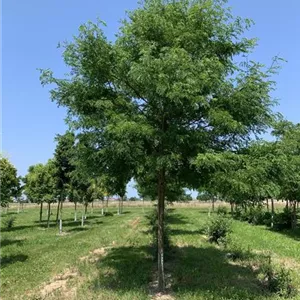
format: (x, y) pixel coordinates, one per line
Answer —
(85, 210)
(294, 215)
(41, 211)
(287, 204)
(213, 204)
(75, 213)
(160, 233)
(22, 207)
(272, 212)
(82, 220)
(92, 207)
(102, 210)
(106, 204)
(60, 217)
(122, 202)
(48, 216)
(57, 212)
(18, 208)
(268, 209)
(119, 206)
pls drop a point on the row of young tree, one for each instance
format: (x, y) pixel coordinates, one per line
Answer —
(173, 102)
(258, 174)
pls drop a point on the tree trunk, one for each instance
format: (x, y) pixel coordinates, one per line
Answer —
(82, 220)
(22, 207)
(119, 206)
(75, 213)
(160, 233)
(48, 217)
(294, 215)
(18, 208)
(268, 205)
(272, 212)
(106, 204)
(213, 205)
(85, 210)
(122, 202)
(41, 212)
(57, 212)
(92, 210)
(102, 210)
(287, 204)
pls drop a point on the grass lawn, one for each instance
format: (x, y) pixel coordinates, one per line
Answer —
(112, 258)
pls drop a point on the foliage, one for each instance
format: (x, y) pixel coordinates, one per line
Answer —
(222, 210)
(218, 229)
(166, 94)
(9, 222)
(9, 181)
(40, 183)
(278, 280)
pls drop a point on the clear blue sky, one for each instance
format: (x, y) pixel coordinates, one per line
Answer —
(32, 29)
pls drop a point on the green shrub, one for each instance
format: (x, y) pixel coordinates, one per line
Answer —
(218, 229)
(108, 214)
(9, 222)
(237, 252)
(278, 281)
(222, 210)
(283, 220)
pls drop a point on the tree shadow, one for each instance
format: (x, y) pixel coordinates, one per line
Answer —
(77, 229)
(294, 234)
(201, 273)
(10, 259)
(186, 232)
(125, 269)
(20, 227)
(7, 242)
(176, 219)
(207, 271)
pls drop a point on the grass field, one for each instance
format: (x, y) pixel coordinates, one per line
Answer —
(112, 258)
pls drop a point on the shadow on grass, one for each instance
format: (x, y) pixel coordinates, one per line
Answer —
(206, 271)
(294, 234)
(20, 227)
(7, 242)
(176, 219)
(10, 259)
(186, 232)
(201, 273)
(78, 229)
(125, 269)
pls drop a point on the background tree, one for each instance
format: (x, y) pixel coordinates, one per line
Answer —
(166, 90)
(9, 181)
(63, 161)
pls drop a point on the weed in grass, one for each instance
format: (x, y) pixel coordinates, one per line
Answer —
(9, 222)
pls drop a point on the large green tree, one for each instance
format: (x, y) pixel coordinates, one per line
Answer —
(9, 181)
(166, 90)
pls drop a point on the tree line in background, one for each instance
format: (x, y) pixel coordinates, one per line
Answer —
(174, 102)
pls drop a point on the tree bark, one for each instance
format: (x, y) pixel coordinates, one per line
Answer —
(122, 202)
(48, 217)
(213, 204)
(268, 205)
(272, 212)
(294, 215)
(75, 214)
(57, 212)
(106, 204)
(160, 233)
(85, 210)
(41, 212)
(119, 206)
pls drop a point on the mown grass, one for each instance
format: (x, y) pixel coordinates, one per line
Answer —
(32, 255)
